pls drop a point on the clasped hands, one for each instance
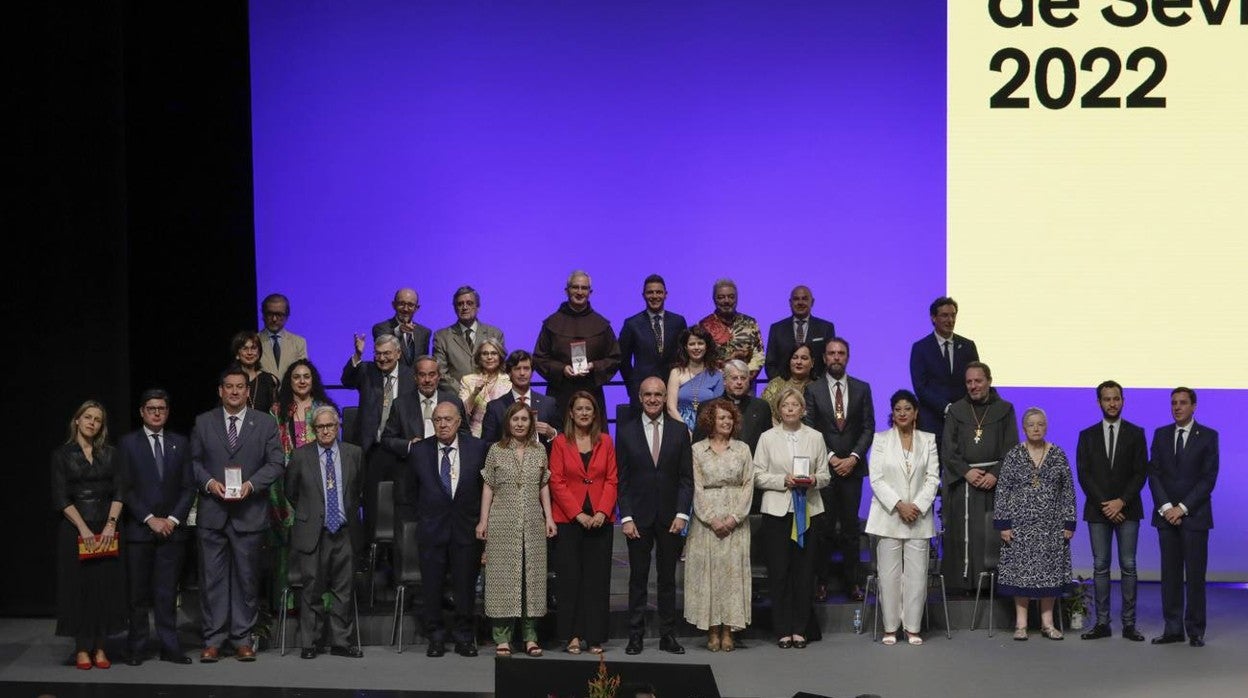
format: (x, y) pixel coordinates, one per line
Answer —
(1112, 510)
(100, 542)
(792, 484)
(161, 526)
(908, 511)
(588, 522)
(981, 479)
(1173, 515)
(842, 466)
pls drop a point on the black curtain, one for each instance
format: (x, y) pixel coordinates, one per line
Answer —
(132, 223)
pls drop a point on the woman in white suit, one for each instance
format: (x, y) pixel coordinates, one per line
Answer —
(904, 479)
(790, 501)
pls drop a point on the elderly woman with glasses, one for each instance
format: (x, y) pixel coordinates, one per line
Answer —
(490, 382)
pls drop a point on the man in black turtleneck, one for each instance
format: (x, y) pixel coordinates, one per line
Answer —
(575, 325)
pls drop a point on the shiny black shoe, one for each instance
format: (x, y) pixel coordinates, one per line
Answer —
(1167, 639)
(1196, 641)
(465, 649)
(436, 649)
(134, 659)
(352, 652)
(634, 645)
(1097, 632)
(1130, 633)
(668, 643)
(175, 658)
(307, 653)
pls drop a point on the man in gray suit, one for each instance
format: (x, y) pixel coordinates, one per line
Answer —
(413, 337)
(452, 346)
(323, 482)
(232, 440)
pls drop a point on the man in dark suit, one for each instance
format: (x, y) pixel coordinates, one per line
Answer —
(1111, 460)
(157, 503)
(839, 407)
(323, 483)
(519, 367)
(1182, 470)
(380, 383)
(443, 487)
(648, 340)
(453, 346)
(799, 328)
(655, 495)
(412, 337)
(755, 412)
(938, 366)
(227, 442)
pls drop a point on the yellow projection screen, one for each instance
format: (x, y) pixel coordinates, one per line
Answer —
(1097, 187)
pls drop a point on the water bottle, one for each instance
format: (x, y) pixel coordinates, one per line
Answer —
(858, 621)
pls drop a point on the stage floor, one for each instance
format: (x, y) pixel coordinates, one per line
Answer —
(843, 664)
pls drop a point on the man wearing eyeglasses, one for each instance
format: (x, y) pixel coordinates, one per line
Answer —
(281, 348)
(453, 346)
(413, 337)
(324, 483)
(158, 467)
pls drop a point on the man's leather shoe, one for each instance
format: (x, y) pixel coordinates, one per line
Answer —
(307, 653)
(1196, 641)
(1097, 632)
(1130, 633)
(134, 659)
(465, 649)
(856, 595)
(634, 645)
(668, 643)
(210, 655)
(1167, 639)
(436, 649)
(245, 653)
(353, 652)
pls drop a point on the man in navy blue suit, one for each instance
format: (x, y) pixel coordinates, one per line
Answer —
(519, 367)
(1182, 470)
(159, 472)
(648, 340)
(443, 487)
(938, 366)
(799, 328)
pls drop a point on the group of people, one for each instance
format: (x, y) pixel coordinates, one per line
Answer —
(498, 478)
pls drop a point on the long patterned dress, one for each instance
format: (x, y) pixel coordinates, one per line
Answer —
(1037, 504)
(706, 385)
(495, 387)
(717, 571)
(515, 536)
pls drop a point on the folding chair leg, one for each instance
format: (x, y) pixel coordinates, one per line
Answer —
(992, 603)
(979, 586)
(944, 597)
(372, 567)
(864, 602)
(281, 619)
(355, 603)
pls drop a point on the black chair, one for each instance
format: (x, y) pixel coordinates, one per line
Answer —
(351, 425)
(406, 573)
(991, 559)
(384, 532)
(294, 584)
(758, 561)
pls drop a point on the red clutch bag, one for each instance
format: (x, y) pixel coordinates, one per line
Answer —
(110, 550)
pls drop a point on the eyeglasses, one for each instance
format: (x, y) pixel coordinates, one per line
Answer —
(156, 410)
(325, 426)
(274, 313)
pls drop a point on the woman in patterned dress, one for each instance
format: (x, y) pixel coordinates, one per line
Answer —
(515, 522)
(717, 555)
(488, 383)
(796, 376)
(695, 376)
(301, 392)
(1035, 513)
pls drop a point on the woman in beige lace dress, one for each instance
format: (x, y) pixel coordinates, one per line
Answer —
(717, 554)
(476, 390)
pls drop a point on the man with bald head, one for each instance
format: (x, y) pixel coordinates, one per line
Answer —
(413, 337)
(443, 487)
(801, 327)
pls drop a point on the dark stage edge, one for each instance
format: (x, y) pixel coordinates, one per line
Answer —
(140, 690)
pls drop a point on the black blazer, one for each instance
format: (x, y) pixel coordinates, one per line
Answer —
(1188, 480)
(305, 488)
(368, 381)
(150, 494)
(755, 419)
(407, 420)
(1124, 480)
(859, 428)
(420, 338)
(780, 344)
(652, 495)
(933, 384)
(640, 357)
(440, 519)
(492, 425)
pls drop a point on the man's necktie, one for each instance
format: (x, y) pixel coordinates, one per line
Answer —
(386, 400)
(656, 323)
(333, 513)
(409, 348)
(656, 442)
(1111, 445)
(277, 350)
(946, 350)
(1180, 442)
(159, 452)
(445, 471)
(231, 434)
(468, 336)
(799, 332)
(427, 412)
(839, 407)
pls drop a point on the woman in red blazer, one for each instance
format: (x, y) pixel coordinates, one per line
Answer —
(583, 485)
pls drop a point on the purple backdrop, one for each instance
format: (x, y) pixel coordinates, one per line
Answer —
(503, 144)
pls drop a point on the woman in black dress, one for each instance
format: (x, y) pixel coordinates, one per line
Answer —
(87, 488)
